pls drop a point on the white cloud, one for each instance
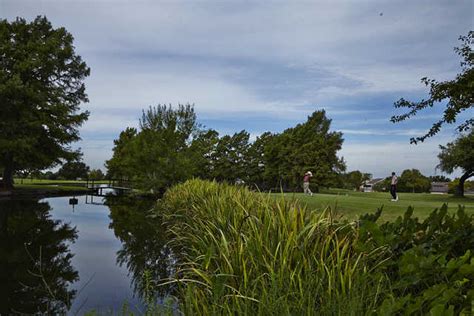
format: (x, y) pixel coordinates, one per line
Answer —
(381, 159)
(297, 56)
(384, 132)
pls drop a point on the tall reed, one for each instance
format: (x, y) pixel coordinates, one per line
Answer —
(247, 253)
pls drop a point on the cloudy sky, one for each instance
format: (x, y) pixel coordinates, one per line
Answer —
(265, 66)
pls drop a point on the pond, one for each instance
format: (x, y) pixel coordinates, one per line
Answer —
(100, 255)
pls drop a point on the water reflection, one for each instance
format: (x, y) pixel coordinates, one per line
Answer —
(117, 249)
(35, 259)
(144, 251)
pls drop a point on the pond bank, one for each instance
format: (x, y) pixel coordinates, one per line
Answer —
(40, 192)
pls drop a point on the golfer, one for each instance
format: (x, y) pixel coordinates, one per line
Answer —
(393, 187)
(306, 178)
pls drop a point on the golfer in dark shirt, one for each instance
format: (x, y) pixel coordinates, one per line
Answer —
(393, 187)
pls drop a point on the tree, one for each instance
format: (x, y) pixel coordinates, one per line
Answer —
(96, 174)
(230, 157)
(204, 148)
(256, 161)
(453, 186)
(458, 92)
(308, 146)
(160, 154)
(73, 170)
(413, 181)
(439, 178)
(119, 166)
(355, 179)
(41, 88)
(459, 154)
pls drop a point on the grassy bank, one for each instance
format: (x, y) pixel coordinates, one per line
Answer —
(45, 188)
(247, 253)
(19, 181)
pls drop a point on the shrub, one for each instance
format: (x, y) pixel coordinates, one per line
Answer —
(431, 267)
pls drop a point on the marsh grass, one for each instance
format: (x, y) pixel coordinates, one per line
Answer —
(247, 253)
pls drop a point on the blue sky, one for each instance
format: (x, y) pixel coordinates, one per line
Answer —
(265, 66)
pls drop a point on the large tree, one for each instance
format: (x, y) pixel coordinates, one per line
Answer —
(355, 179)
(256, 161)
(459, 154)
(119, 166)
(412, 180)
(41, 89)
(73, 170)
(160, 154)
(307, 146)
(456, 94)
(230, 157)
(204, 148)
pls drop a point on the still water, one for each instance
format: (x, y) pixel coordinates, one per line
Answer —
(58, 259)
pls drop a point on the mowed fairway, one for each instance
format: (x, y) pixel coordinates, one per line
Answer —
(352, 204)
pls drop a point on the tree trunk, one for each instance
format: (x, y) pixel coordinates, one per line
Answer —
(460, 188)
(8, 172)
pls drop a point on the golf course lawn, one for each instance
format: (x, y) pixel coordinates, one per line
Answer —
(352, 204)
(48, 187)
(53, 182)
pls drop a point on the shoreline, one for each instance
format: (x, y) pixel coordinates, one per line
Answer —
(41, 193)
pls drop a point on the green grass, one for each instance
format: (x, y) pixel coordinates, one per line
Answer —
(352, 204)
(52, 182)
(48, 187)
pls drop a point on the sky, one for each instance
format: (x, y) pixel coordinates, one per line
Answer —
(265, 66)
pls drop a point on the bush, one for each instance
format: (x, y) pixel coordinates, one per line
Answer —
(431, 266)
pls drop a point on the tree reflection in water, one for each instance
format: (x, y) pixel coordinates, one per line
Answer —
(35, 260)
(144, 250)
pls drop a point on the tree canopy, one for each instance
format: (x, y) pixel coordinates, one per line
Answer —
(355, 179)
(160, 153)
(459, 154)
(307, 146)
(41, 89)
(73, 170)
(412, 180)
(457, 93)
(171, 147)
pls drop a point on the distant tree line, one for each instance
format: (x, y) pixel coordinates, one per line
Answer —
(170, 146)
(353, 180)
(71, 170)
(412, 180)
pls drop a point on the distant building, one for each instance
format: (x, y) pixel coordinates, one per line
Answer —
(368, 185)
(439, 187)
